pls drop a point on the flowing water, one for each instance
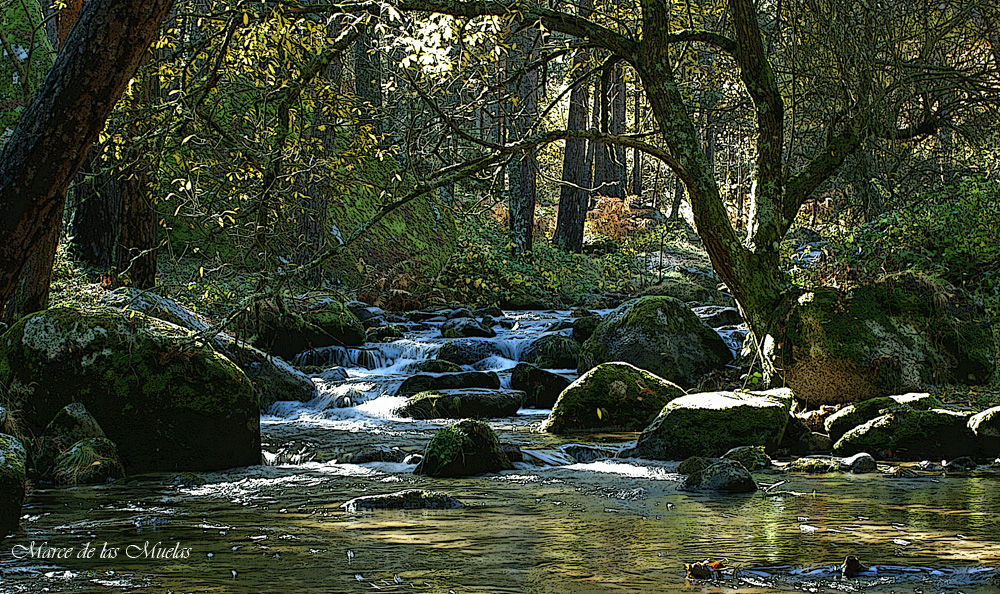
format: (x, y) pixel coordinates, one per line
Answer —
(563, 521)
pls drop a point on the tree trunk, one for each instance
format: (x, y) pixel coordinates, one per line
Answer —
(600, 122)
(675, 206)
(617, 176)
(137, 231)
(525, 166)
(636, 153)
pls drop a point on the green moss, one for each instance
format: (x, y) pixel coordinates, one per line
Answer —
(911, 435)
(464, 449)
(553, 351)
(814, 465)
(695, 464)
(751, 457)
(859, 413)
(88, 462)
(458, 404)
(439, 366)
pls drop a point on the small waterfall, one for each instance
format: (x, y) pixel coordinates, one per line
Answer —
(413, 350)
(366, 357)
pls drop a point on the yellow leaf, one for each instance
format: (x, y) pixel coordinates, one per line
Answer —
(246, 19)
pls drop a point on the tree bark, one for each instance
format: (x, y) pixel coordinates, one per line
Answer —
(636, 189)
(573, 193)
(617, 176)
(51, 140)
(525, 166)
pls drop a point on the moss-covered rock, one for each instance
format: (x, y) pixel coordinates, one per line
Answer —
(611, 397)
(696, 464)
(13, 460)
(91, 461)
(292, 325)
(386, 333)
(552, 351)
(751, 457)
(659, 334)
(465, 449)
(438, 366)
(71, 424)
(815, 465)
(272, 377)
(711, 423)
(464, 327)
(167, 401)
(909, 434)
(679, 286)
(584, 326)
(541, 387)
(859, 413)
(467, 351)
(897, 335)
(409, 499)
(725, 476)
(471, 403)
(448, 381)
(986, 423)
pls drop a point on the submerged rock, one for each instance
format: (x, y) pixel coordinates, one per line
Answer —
(541, 387)
(449, 381)
(611, 397)
(659, 334)
(860, 413)
(168, 402)
(410, 499)
(12, 479)
(467, 351)
(91, 461)
(464, 327)
(727, 476)
(552, 351)
(711, 423)
(893, 336)
(465, 449)
(469, 403)
(911, 435)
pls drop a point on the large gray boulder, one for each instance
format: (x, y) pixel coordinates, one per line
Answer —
(659, 334)
(711, 423)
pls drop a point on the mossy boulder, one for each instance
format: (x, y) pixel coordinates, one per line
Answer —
(541, 387)
(464, 327)
(272, 377)
(859, 413)
(471, 403)
(611, 397)
(584, 326)
(409, 499)
(724, 476)
(71, 424)
(890, 337)
(552, 351)
(467, 351)
(751, 457)
(448, 381)
(91, 461)
(168, 402)
(467, 448)
(717, 316)
(909, 434)
(711, 423)
(815, 465)
(13, 460)
(386, 333)
(659, 334)
(986, 423)
(438, 366)
(679, 286)
(291, 325)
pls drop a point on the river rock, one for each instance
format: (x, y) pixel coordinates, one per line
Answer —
(91, 461)
(309, 321)
(552, 351)
(169, 403)
(726, 476)
(541, 387)
(909, 434)
(333, 374)
(70, 425)
(583, 327)
(862, 463)
(12, 480)
(812, 442)
(465, 328)
(448, 381)
(272, 377)
(859, 413)
(386, 333)
(363, 311)
(986, 423)
(815, 465)
(409, 499)
(751, 457)
(374, 454)
(465, 449)
(659, 334)
(438, 366)
(467, 351)
(717, 316)
(894, 336)
(711, 423)
(470, 403)
(611, 397)
(491, 311)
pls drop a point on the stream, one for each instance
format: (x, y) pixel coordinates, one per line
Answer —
(563, 520)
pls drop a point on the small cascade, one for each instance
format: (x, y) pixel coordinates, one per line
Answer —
(411, 350)
(733, 336)
(365, 357)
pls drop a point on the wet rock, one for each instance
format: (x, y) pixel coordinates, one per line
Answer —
(961, 464)
(169, 403)
(815, 465)
(272, 377)
(91, 461)
(862, 463)
(583, 328)
(373, 324)
(375, 454)
(13, 459)
(541, 387)
(70, 425)
(424, 316)
(463, 404)
(461, 312)
(410, 499)
(465, 328)
(513, 453)
(334, 374)
(890, 337)
(726, 476)
(465, 449)
(493, 312)
(298, 324)
(717, 316)
(659, 334)
(552, 351)
(386, 333)
(488, 321)
(363, 311)
(413, 459)
(711, 423)
(696, 464)
(588, 453)
(851, 567)
(448, 381)
(813, 442)
(610, 397)
(560, 325)
(751, 457)
(438, 366)
(467, 351)
(911, 435)
(860, 413)
(986, 423)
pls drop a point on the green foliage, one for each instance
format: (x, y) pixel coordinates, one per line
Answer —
(484, 273)
(25, 57)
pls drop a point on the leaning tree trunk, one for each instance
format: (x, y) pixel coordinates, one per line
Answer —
(51, 140)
